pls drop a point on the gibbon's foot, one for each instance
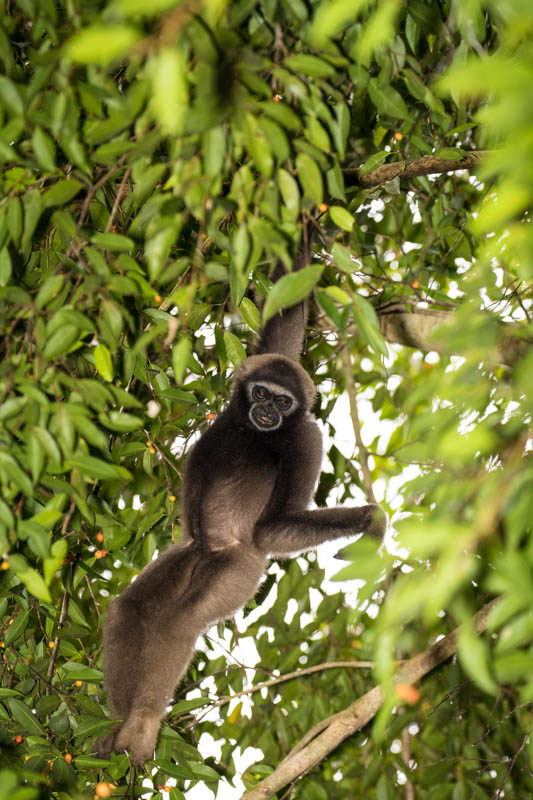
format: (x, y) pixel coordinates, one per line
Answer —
(106, 744)
(138, 736)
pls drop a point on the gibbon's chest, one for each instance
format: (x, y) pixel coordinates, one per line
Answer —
(235, 501)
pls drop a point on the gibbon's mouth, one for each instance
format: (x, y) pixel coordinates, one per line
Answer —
(265, 418)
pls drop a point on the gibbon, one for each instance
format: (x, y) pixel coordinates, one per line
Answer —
(248, 484)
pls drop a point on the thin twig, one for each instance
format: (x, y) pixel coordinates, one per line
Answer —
(296, 674)
(363, 453)
(55, 651)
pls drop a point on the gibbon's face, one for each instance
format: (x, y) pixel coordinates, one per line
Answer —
(270, 404)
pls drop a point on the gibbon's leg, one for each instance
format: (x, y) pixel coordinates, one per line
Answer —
(123, 642)
(166, 653)
(303, 530)
(218, 586)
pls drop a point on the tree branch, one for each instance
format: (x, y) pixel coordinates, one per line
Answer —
(405, 323)
(427, 165)
(359, 713)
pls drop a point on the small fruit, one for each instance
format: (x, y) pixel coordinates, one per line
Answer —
(103, 789)
(407, 693)
(78, 683)
(158, 298)
(100, 553)
(18, 739)
(99, 537)
(5, 564)
(398, 136)
(68, 758)
(323, 207)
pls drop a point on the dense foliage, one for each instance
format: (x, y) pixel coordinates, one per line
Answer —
(157, 158)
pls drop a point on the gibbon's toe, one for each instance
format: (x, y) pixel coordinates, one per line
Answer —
(138, 737)
(105, 745)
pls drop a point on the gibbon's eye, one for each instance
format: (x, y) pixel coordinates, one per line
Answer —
(283, 402)
(260, 393)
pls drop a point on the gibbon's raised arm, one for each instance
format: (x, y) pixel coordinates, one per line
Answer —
(246, 493)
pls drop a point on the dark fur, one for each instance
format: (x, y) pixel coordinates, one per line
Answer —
(245, 497)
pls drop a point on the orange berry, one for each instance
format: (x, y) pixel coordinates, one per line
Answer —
(78, 683)
(408, 693)
(158, 298)
(18, 739)
(172, 498)
(68, 758)
(148, 443)
(323, 207)
(210, 415)
(4, 564)
(152, 450)
(100, 553)
(11, 621)
(276, 98)
(103, 789)
(99, 537)
(398, 136)
(415, 284)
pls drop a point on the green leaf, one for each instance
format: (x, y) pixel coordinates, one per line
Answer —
(17, 627)
(387, 100)
(15, 473)
(170, 93)
(103, 362)
(474, 657)
(5, 267)
(291, 289)
(22, 714)
(113, 241)
(234, 349)
(10, 96)
(34, 583)
(214, 146)
(80, 672)
(290, 193)
(120, 422)
(181, 352)
(309, 65)
(61, 193)
(367, 322)
(341, 217)
(100, 44)
(44, 149)
(98, 469)
(250, 314)
(61, 341)
(90, 762)
(343, 259)
(310, 177)
(49, 290)
(157, 249)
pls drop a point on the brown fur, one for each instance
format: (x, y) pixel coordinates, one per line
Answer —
(245, 496)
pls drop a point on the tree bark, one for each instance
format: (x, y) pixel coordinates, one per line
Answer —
(427, 165)
(403, 323)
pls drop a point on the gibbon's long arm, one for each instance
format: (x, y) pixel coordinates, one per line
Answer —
(284, 333)
(286, 527)
(303, 530)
